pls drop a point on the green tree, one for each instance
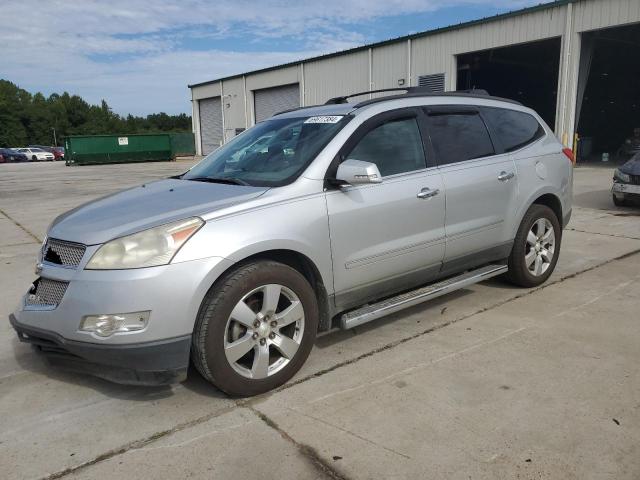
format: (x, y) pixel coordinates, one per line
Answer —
(30, 119)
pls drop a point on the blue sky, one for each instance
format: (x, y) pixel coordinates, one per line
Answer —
(139, 56)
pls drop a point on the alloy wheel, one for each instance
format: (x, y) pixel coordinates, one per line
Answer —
(264, 331)
(540, 247)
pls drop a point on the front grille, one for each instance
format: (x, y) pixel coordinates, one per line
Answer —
(68, 254)
(635, 179)
(46, 292)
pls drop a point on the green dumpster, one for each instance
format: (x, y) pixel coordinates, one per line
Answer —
(96, 149)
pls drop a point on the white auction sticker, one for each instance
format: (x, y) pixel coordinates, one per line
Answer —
(123, 140)
(324, 119)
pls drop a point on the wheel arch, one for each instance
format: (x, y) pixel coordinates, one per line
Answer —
(299, 262)
(544, 197)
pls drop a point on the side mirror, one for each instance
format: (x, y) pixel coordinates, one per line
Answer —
(356, 172)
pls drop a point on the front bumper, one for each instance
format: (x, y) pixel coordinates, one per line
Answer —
(623, 190)
(158, 354)
(152, 363)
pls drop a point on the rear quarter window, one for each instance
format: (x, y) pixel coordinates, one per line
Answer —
(514, 129)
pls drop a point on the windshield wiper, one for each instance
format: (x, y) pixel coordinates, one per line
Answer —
(227, 180)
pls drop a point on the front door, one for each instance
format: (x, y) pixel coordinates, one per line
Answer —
(387, 237)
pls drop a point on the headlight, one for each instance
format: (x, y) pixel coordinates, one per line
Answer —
(621, 177)
(149, 248)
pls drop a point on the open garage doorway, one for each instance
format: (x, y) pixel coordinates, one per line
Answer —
(527, 73)
(608, 103)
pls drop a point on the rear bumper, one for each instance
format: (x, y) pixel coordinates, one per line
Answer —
(150, 363)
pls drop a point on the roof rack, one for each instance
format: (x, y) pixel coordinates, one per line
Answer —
(415, 92)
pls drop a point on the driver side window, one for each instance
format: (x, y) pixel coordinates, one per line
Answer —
(395, 147)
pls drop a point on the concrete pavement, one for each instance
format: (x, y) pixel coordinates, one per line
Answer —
(488, 382)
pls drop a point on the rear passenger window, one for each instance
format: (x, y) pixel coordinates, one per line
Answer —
(514, 129)
(458, 137)
(395, 147)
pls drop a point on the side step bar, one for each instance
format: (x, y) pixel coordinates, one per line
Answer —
(405, 300)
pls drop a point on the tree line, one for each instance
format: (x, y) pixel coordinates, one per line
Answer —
(29, 119)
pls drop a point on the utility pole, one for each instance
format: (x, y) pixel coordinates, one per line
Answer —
(55, 142)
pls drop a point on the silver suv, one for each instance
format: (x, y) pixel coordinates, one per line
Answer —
(347, 212)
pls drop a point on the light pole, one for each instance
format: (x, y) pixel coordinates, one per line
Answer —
(55, 142)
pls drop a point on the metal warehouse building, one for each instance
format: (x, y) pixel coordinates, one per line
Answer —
(577, 62)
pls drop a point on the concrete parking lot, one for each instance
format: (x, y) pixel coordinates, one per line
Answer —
(489, 382)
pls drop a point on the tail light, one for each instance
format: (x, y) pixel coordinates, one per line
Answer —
(569, 154)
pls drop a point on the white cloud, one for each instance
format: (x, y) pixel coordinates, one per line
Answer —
(136, 54)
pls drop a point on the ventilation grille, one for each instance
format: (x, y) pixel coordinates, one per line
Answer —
(434, 83)
(63, 253)
(46, 292)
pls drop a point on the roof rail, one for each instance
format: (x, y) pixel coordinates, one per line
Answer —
(407, 90)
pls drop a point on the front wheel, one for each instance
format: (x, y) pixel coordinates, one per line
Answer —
(255, 328)
(536, 247)
(34, 159)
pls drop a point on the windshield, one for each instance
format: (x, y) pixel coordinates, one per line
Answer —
(272, 153)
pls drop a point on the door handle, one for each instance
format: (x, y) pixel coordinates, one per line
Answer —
(504, 176)
(426, 193)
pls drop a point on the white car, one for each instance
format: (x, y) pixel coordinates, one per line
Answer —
(37, 154)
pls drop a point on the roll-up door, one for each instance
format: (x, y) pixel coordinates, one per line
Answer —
(210, 124)
(269, 101)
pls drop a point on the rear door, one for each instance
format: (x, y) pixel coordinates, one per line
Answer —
(387, 237)
(480, 184)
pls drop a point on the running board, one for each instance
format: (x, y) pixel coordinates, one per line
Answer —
(405, 300)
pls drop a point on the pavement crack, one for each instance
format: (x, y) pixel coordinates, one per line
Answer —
(21, 227)
(349, 432)
(306, 451)
(139, 444)
(603, 234)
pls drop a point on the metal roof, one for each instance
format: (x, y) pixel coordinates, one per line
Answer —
(426, 33)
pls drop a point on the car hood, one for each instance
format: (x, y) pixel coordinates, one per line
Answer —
(146, 206)
(632, 167)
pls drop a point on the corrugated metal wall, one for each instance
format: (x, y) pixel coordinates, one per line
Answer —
(335, 76)
(382, 66)
(233, 104)
(388, 65)
(594, 14)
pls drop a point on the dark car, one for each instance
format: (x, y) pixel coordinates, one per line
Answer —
(626, 182)
(58, 152)
(7, 155)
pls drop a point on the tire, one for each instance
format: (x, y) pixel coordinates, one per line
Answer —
(217, 330)
(618, 203)
(34, 158)
(528, 244)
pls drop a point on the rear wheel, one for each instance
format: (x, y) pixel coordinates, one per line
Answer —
(536, 247)
(34, 158)
(255, 328)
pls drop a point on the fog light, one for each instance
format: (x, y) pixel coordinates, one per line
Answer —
(107, 325)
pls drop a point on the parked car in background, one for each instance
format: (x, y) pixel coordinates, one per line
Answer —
(8, 155)
(347, 212)
(37, 154)
(58, 152)
(626, 182)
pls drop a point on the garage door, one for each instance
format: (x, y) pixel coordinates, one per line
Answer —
(269, 101)
(210, 124)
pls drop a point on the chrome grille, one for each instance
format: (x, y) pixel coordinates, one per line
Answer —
(46, 292)
(68, 254)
